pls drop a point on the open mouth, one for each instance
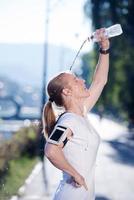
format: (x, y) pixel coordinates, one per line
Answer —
(85, 88)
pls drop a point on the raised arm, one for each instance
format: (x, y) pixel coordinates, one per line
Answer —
(101, 72)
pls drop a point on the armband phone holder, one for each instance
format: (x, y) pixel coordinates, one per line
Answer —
(58, 135)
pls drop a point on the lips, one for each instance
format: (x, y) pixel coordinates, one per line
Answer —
(85, 87)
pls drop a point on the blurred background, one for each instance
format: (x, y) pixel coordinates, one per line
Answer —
(39, 38)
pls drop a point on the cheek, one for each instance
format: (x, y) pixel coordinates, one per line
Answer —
(82, 93)
(76, 91)
(85, 93)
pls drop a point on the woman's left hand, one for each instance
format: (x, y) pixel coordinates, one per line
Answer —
(102, 39)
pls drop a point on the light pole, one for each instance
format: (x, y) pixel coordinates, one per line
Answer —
(42, 139)
(45, 55)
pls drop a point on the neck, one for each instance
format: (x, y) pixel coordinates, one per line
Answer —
(76, 107)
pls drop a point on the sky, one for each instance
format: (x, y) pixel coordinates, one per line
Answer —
(24, 22)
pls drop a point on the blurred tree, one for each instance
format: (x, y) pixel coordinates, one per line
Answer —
(118, 94)
(88, 61)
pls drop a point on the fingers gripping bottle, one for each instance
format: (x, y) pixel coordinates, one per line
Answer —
(111, 31)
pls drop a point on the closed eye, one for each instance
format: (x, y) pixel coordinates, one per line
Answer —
(76, 79)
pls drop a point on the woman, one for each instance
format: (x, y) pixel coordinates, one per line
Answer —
(72, 143)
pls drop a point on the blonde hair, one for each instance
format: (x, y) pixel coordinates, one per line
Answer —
(54, 90)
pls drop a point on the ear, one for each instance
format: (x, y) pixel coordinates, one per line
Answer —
(66, 92)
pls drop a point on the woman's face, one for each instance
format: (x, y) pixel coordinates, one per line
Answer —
(77, 86)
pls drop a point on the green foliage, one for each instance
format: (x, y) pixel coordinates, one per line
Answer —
(18, 171)
(24, 142)
(118, 94)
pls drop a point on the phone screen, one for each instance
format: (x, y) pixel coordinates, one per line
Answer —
(57, 134)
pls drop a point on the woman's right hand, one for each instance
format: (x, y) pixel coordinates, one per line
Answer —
(79, 181)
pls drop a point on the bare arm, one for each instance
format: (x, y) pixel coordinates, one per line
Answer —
(100, 75)
(55, 154)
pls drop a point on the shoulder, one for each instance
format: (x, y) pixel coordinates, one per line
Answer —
(68, 120)
(67, 117)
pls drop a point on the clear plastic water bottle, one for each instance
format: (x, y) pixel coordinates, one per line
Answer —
(111, 31)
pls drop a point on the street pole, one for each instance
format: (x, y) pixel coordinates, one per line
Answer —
(45, 56)
(44, 97)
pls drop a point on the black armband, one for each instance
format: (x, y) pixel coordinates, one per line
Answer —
(58, 135)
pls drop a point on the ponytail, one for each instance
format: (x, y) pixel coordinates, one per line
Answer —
(54, 90)
(48, 119)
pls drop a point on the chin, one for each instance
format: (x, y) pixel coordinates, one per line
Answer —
(87, 94)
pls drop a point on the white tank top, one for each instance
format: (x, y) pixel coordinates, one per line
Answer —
(81, 149)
